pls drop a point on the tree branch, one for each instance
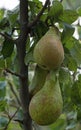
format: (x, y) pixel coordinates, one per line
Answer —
(79, 67)
(2, 34)
(61, 0)
(10, 119)
(13, 91)
(13, 73)
(39, 15)
(19, 121)
(5, 36)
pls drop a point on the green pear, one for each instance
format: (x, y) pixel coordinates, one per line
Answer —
(38, 80)
(46, 105)
(49, 52)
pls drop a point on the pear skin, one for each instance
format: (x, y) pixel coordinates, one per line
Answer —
(46, 105)
(49, 52)
(38, 80)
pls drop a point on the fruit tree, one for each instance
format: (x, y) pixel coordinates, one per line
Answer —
(40, 66)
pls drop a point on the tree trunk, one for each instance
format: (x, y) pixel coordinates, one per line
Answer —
(21, 50)
(24, 93)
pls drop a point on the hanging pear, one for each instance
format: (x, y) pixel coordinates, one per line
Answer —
(46, 105)
(38, 80)
(49, 52)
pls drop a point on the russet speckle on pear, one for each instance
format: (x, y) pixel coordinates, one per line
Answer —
(49, 52)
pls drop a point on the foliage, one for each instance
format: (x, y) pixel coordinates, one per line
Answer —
(63, 15)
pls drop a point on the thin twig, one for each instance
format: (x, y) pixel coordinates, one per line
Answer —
(10, 119)
(19, 121)
(2, 34)
(14, 105)
(79, 67)
(39, 15)
(5, 36)
(11, 87)
(13, 73)
(61, 0)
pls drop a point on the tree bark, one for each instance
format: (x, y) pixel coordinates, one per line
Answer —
(21, 49)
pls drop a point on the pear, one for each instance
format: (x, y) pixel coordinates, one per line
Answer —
(49, 52)
(46, 105)
(38, 80)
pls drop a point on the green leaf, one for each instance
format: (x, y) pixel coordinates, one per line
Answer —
(2, 85)
(71, 4)
(3, 122)
(70, 62)
(71, 126)
(76, 92)
(39, 30)
(79, 113)
(72, 115)
(2, 63)
(3, 104)
(34, 8)
(4, 23)
(14, 126)
(79, 77)
(8, 62)
(8, 47)
(76, 52)
(79, 11)
(69, 16)
(69, 44)
(67, 33)
(5, 63)
(36, 4)
(20, 114)
(56, 10)
(72, 65)
(29, 56)
(79, 32)
(64, 76)
(2, 90)
(1, 13)
(60, 124)
(13, 17)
